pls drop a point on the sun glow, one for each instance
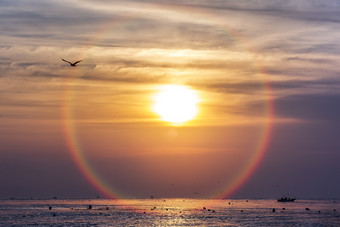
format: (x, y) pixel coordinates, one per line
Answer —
(176, 103)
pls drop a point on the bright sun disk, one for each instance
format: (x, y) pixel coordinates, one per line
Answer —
(176, 103)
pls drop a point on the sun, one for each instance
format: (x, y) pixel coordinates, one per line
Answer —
(176, 104)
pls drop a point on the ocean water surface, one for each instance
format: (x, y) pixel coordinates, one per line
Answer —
(169, 212)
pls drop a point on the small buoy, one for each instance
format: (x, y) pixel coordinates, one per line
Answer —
(50, 208)
(204, 208)
(307, 208)
(241, 210)
(273, 209)
(90, 207)
(208, 209)
(107, 208)
(283, 208)
(213, 211)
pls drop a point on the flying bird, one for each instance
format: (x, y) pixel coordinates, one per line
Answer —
(72, 64)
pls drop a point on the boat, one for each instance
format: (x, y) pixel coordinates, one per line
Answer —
(286, 199)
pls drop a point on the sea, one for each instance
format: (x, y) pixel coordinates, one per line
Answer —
(168, 212)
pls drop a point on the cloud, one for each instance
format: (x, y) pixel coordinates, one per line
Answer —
(204, 44)
(320, 107)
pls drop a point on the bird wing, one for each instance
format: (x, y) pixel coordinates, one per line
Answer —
(66, 61)
(77, 62)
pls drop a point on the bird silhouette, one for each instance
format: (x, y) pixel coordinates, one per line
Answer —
(72, 64)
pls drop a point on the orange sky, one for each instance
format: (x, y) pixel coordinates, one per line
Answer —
(255, 72)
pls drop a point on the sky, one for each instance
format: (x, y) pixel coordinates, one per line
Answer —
(265, 74)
